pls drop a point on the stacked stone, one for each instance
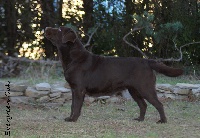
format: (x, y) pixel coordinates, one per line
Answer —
(180, 91)
(40, 93)
(56, 94)
(14, 90)
(44, 93)
(59, 93)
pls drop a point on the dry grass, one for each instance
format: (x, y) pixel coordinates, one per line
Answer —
(36, 73)
(181, 79)
(100, 121)
(103, 121)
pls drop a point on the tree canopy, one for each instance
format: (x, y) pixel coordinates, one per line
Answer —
(167, 25)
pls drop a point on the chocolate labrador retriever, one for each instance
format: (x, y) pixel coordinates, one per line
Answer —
(96, 75)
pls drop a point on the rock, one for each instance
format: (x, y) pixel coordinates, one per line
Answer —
(56, 94)
(43, 87)
(172, 96)
(67, 85)
(43, 99)
(10, 93)
(197, 95)
(60, 89)
(31, 92)
(61, 84)
(89, 100)
(2, 85)
(187, 86)
(126, 95)
(67, 96)
(18, 87)
(2, 94)
(58, 100)
(21, 99)
(23, 82)
(103, 97)
(58, 84)
(181, 97)
(160, 95)
(15, 94)
(113, 100)
(166, 87)
(198, 85)
(175, 97)
(163, 91)
(194, 91)
(182, 91)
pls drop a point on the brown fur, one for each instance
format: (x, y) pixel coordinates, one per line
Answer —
(95, 75)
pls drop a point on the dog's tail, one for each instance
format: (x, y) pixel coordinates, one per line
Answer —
(166, 70)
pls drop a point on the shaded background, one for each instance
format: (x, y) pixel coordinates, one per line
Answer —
(175, 22)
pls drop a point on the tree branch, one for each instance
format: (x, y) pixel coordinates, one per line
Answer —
(180, 52)
(134, 46)
(90, 36)
(159, 59)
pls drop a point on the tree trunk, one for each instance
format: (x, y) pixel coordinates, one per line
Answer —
(88, 21)
(166, 11)
(60, 18)
(48, 20)
(128, 24)
(136, 39)
(10, 16)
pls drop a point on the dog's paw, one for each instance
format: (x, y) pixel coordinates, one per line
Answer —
(69, 119)
(161, 121)
(139, 119)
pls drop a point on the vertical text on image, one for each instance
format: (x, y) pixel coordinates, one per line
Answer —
(8, 117)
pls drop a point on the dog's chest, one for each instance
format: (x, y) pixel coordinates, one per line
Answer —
(108, 88)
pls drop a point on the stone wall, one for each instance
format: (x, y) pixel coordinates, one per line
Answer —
(59, 93)
(180, 91)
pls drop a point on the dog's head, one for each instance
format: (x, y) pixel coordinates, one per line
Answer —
(60, 35)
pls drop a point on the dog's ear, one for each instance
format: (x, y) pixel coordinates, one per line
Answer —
(68, 35)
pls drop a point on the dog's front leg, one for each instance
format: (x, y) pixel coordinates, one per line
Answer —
(77, 102)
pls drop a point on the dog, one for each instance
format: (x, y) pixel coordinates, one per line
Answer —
(96, 75)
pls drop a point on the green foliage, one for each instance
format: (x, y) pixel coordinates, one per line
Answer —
(143, 20)
(168, 31)
(166, 23)
(71, 26)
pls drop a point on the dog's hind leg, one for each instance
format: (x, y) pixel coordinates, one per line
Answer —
(141, 103)
(159, 106)
(152, 98)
